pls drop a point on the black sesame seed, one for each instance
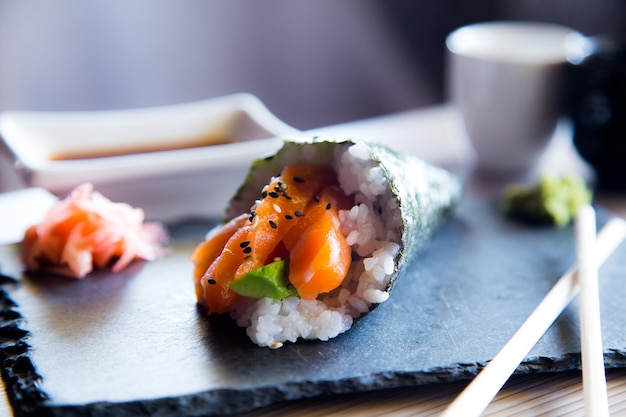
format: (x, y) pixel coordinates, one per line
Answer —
(244, 244)
(211, 281)
(316, 198)
(247, 249)
(328, 206)
(273, 224)
(298, 180)
(288, 216)
(252, 215)
(274, 194)
(287, 196)
(264, 194)
(298, 213)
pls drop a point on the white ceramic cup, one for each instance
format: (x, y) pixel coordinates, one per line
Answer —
(506, 80)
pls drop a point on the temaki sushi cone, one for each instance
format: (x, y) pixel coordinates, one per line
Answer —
(317, 235)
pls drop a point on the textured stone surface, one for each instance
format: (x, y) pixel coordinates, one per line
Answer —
(136, 344)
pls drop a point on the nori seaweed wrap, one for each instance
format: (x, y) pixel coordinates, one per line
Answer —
(317, 235)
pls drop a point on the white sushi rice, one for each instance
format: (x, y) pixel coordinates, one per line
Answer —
(373, 237)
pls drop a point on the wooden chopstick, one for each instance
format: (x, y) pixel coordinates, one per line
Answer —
(594, 378)
(478, 394)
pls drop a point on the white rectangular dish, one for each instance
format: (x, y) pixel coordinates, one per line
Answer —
(173, 161)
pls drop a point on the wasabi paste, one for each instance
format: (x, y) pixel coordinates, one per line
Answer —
(553, 201)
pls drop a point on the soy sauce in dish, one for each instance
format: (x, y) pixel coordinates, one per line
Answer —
(70, 155)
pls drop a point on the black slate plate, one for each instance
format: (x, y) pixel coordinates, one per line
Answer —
(136, 344)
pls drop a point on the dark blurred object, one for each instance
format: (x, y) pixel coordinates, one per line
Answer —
(597, 104)
(422, 26)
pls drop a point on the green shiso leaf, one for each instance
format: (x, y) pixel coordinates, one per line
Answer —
(268, 281)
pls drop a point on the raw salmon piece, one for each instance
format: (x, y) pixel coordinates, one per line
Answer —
(295, 218)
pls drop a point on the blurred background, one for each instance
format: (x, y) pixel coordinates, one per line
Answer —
(313, 63)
